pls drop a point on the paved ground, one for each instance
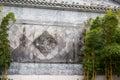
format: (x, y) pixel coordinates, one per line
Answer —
(44, 77)
(52, 77)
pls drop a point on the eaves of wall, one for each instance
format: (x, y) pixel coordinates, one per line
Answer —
(56, 6)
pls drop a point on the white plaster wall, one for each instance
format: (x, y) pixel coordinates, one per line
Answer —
(51, 15)
(54, 17)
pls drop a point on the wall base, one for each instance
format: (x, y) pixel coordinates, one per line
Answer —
(53, 77)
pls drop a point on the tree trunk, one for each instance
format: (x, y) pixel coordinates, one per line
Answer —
(105, 72)
(4, 74)
(93, 75)
(107, 77)
(87, 75)
(111, 74)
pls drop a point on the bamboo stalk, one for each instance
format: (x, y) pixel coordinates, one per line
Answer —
(105, 72)
(111, 73)
(93, 75)
(87, 75)
(84, 75)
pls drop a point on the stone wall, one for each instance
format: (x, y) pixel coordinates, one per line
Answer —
(47, 36)
(42, 35)
(42, 43)
(48, 40)
(45, 69)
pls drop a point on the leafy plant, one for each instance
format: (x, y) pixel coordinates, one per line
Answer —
(102, 47)
(4, 43)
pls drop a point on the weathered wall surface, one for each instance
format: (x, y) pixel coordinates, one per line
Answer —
(47, 15)
(45, 69)
(42, 35)
(36, 43)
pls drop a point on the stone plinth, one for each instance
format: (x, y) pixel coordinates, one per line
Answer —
(45, 69)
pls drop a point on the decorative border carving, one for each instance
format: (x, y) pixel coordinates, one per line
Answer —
(54, 5)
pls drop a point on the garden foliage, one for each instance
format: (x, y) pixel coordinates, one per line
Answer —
(102, 47)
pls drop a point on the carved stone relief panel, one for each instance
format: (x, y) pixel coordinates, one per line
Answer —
(38, 43)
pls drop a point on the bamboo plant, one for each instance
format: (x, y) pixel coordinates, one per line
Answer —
(102, 47)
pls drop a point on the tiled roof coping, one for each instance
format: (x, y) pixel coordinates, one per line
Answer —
(60, 6)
